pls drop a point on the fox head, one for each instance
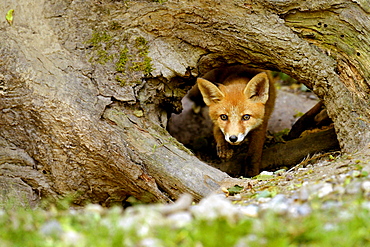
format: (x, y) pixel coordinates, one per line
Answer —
(237, 107)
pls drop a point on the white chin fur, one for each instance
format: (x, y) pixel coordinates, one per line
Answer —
(240, 139)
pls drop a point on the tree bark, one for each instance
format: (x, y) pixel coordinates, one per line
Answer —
(312, 143)
(86, 87)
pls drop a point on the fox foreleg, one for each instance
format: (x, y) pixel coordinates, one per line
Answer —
(223, 147)
(254, 155)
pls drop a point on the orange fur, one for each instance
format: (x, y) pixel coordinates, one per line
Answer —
(239, 108)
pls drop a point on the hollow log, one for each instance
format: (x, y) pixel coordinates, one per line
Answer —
(86, 87)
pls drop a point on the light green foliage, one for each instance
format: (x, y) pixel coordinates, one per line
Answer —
(96, 226)
(279, 136)
(145, 64)
(100, 53)
(121, 65)
(298, 114)
(235, 189)
(98, 38)
(122, 60)
(120, 80)
(9, 16)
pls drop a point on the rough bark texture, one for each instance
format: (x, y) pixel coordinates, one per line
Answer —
(86, 86)
(312, 143)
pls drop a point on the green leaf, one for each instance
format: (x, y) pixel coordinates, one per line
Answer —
(263, 177)
(264, 194)
(364, 173)
(235, 190)
(9, 16)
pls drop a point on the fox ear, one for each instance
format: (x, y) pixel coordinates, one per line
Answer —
(257, 88)
(211, 93)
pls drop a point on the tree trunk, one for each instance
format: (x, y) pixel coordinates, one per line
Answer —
(86, 87)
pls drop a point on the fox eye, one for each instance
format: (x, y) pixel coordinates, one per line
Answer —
(224, 117)
(246, 117)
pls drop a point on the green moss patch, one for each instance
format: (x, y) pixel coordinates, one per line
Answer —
(127, 58)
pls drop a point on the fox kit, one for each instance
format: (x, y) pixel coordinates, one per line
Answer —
(240, 104)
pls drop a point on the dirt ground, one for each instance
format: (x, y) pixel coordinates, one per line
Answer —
(312, 176)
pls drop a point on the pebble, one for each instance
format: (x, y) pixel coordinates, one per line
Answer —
(289, 177)
(366, 186)
(278, 204)
(331, 204)
(215, 206)
(182, 212)
(279, 172)
(267, 173)
(94, 208)
(297, 210)
(250, 210)
(325, 190)
(180, 219)
(356, 173)
(303, 194)
(151, 242)
(51, 228)
(72, 238)
(366, 205)
(183, 203)
(353, 188)
(339, 189)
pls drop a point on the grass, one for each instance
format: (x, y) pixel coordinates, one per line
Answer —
(344, 226)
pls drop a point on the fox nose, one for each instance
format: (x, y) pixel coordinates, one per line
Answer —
(233, 138)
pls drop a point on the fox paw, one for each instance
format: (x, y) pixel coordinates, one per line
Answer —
(224, 152)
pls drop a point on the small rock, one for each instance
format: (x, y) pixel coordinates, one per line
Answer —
(150, 242)
(267, 173)
(183, 203)
(94, 208)
(342, 178)
(366, 205)
(331, 204)
(250, 210)
(180, 219)
(141, 218)
(278, 204)
(303, 194)
(280, 172)
(215, 206)
(356, 173)
(289, 177)
(51, 228)
(297, 210)
(366, 186)
(264, 199)
(339, 189)
(237, 197)
(325, 190)
(72, 238)
(353, 188)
